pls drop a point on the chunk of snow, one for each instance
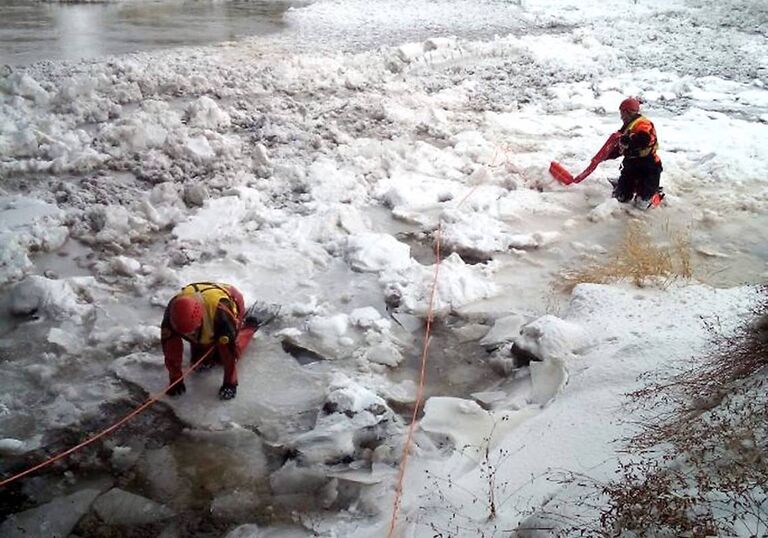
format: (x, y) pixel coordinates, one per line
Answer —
(56, 299)
(123, 265)
(373, 252)
(504, 330)
(467, 424)
(365, 317)
(206, 114)
(488, 398)
(385, 353)
(458, 284)
(605, 210)
(533, 240)
(348, 396)
(551, 337)
(252, 530)
(199, 149)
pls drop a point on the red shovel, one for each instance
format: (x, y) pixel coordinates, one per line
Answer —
(566, 178)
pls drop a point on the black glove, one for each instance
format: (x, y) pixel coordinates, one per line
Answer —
(177, 390)
(227, 391)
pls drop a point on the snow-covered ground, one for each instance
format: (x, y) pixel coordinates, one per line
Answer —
(313, 169)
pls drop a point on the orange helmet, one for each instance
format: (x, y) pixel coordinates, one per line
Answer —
(186, 314)
(630, 104)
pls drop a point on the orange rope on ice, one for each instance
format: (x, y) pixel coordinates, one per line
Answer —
(422, 374)
(108, 430)
(419, 391)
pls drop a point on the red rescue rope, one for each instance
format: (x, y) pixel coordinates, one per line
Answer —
(419, 391)
(422, 374)
(107, 431)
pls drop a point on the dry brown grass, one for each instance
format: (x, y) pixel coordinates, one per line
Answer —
(640, 260)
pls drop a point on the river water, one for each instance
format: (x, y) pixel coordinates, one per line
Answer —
(33, 31)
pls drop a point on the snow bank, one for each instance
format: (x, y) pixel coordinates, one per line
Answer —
(634, 331)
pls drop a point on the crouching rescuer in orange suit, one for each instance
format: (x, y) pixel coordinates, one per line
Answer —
(207, 315)
(641, 167)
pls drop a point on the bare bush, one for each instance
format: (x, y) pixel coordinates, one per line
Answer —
(698, 466)
(704, 470)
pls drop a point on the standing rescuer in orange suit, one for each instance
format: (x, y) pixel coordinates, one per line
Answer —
(207, 315)
(641, 167)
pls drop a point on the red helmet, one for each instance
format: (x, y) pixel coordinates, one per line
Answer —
(630, 104)
(186, 314)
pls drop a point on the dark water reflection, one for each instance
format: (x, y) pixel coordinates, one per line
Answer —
(31, 31)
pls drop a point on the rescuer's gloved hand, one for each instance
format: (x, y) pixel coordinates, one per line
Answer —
(227, 391)
(177, 390)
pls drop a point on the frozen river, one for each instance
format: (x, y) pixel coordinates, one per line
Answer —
(35, 31)
(314, 156)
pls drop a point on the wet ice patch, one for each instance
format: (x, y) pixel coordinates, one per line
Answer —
(56, 518)
(120, 507)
